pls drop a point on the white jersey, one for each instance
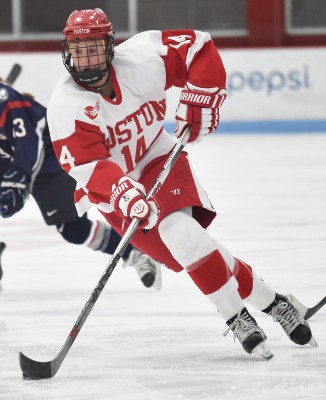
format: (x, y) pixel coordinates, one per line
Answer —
(95, 136)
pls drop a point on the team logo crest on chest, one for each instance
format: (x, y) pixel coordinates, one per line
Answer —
(92, 111)
(4, 94)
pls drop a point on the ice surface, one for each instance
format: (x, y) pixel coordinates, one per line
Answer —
(139, 344)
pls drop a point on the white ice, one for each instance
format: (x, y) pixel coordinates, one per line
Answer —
(140, 344)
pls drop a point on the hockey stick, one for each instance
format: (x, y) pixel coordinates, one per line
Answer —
(305, 311)
(43, 370)
(13, 74)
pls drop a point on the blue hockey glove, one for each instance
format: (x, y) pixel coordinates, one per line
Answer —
(13, 191)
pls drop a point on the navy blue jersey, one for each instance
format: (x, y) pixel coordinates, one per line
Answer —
(24, 134)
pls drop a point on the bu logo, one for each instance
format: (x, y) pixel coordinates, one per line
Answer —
(91, 111)
(175, 191)
(139, 208)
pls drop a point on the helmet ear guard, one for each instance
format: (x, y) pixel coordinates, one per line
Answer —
(83, 26)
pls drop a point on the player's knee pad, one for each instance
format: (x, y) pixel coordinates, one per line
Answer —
(186, 239)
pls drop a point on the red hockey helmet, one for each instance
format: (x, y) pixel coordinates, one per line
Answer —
(84, 26)
(87, 24)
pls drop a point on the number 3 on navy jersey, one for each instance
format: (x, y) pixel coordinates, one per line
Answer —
(19, 129)
(66, 157)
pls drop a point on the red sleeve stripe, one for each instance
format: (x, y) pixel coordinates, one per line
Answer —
(11, 105)
(79, 194)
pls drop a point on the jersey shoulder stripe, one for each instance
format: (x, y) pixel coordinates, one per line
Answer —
(12, 105)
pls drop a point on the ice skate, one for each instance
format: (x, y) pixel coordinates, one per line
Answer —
(147, 269)
(250, 335)
(306, 312)
(2, 247)
(290, 319)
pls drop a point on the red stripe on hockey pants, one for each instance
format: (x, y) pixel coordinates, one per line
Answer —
(243, 274)
(210, 273)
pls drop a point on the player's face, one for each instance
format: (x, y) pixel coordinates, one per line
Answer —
(88, 55)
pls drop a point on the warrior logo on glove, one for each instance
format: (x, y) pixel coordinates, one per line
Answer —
(128, 200)
(197, 99)
(199, 108)
(139, 209)
(118, 190)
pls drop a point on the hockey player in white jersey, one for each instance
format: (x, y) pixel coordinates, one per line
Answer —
(28, 166)
(106, 122)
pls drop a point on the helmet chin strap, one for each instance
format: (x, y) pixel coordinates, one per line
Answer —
(100, 87)
(89, 77)
(98, 74)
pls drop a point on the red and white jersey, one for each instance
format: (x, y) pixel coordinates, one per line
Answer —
(98, 140)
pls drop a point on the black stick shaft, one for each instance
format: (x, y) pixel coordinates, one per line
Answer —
(13, 74)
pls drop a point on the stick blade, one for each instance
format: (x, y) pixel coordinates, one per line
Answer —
(306, 312)
(34, 369)
(311, 311)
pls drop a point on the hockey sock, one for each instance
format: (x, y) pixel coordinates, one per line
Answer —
(112, 244)
(94, 234)
(77, 231)
(105, 239)
(214, 278)
(210, 273)
(252, 289)
(243, 274)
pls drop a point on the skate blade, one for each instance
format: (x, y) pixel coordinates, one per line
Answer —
(313, 342)
(263, 351)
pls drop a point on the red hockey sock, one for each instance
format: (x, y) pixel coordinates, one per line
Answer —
(243, 274)
(210, 273)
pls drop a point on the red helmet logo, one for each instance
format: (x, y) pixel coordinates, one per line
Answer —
(80, 31)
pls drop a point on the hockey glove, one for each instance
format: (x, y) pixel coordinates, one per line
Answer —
(13, 191)
(128, 200)
(198, 108)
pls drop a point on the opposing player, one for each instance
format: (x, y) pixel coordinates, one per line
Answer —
(2, 247)
(28, 165)
(106, 123)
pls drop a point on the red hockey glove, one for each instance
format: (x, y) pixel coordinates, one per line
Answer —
(128, 200)
(199, 108)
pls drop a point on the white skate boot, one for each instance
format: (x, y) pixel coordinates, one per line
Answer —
(147, 268)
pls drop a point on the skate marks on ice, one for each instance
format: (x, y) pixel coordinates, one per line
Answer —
(179, 369)
(200, 364)
(144, 345)
(232, 377)
(177, 357)
(154, 355)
